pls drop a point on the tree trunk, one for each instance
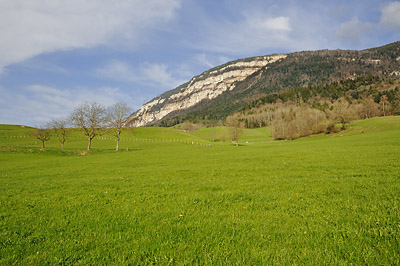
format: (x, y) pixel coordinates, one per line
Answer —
(117, 148)
(42, 144)
(62, 146)
(89, 143)
(383, 103)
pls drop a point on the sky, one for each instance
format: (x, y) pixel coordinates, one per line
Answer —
(57, 54)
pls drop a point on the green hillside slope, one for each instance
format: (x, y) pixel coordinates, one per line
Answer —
(321, 200)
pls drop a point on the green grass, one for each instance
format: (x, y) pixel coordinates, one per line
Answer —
(321, 200)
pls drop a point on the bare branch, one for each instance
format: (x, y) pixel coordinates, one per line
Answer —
(60, 128)
(90, 118)
(116, 118)
(42, 134)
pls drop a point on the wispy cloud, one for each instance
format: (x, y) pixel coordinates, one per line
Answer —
(390, 16)
(255, 31)
(31, 28)
(117, 70)
(209, 60)
(160, 75)
(353, 31)
(149, 74)
(357, 32)
(292, 26)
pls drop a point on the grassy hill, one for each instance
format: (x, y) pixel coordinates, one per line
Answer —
(320, 200)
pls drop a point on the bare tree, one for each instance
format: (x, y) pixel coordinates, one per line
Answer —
(223, 136)
(235, 130)
(42, 134)
(213, 133)
(116, 117)
(384, 100)
(90, 118)
(370, 108)
(60, 129)
(188, 126)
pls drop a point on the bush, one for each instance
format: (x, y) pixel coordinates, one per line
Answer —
(331, 128)
(319, 128)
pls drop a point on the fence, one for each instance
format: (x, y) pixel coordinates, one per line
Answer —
(103, 138)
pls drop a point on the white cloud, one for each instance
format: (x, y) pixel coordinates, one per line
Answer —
(209, 60)
(29, 28)
(160, 75)
(36, 104)
(146, 73)
(391, 15)
(254, 31)
(357, 32)
(270, 24)
(353, 30)
(203, 59)
(117, 70)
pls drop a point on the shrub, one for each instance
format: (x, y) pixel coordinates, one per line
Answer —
(319, 128)
(331, 128)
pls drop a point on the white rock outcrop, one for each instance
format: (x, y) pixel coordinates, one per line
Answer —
(206, 86)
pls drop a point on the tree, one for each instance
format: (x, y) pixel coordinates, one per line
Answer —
(368, 108)
(235, 129)
(187, 126)
(42, 134)
(90, 118)
(116, 117)
(384, 100)
(60, 129)
(213, 133)
(223, 136)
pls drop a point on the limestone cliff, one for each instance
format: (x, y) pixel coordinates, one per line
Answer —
(206, 86)
(228, 88)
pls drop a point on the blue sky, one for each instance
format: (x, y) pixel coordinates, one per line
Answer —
(56, 54)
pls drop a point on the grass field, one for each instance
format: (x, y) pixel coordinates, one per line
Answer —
(177, 198)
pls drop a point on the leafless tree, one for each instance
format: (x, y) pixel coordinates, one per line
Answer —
(188, 126)
(116, 117)
(223, 136)
(235, 129)
(42, 134)
(213, 134)
(370, 108)
(90, 118)
(384, 100)
(60, 128)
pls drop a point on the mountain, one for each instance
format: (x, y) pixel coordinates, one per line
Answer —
(224, 89)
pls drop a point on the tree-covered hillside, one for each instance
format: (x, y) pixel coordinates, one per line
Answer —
(302, 69)
(325, 108)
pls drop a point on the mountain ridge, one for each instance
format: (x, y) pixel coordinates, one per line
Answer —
(226, 88)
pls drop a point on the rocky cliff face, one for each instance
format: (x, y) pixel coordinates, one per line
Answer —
(225, 89)
(206, 86)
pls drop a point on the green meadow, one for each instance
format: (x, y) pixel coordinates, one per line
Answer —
(170, 197)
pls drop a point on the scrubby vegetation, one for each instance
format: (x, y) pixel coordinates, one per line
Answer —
(327, 108)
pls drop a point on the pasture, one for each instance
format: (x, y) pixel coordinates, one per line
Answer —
(170, 197)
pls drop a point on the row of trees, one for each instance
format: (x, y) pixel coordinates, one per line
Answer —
(91, 118)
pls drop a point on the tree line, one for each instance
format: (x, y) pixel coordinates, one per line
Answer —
(91, 118)
(327, 108)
